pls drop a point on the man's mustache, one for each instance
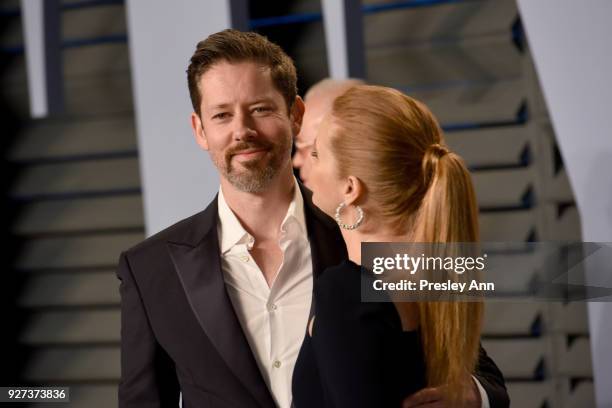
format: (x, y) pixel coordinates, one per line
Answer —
(246, 146)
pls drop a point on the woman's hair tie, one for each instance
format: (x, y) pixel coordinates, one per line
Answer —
(432, 156)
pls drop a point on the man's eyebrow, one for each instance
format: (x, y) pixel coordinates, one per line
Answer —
(261, 100)
(219, 106)
(225, 105)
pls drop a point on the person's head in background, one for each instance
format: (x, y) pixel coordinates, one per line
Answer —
(318, 101)
(385, 152)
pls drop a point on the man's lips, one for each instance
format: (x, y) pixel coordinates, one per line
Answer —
(250, 153)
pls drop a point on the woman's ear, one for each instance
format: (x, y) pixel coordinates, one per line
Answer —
(198, 131)
(297, 114)
(354, 190)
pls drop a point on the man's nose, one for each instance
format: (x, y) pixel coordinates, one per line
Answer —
(243, 127)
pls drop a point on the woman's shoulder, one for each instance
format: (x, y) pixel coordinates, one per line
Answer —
(340, 271)
(339, 291)
(348, 278)
(342, 281)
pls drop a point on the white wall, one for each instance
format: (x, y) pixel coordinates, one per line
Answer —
(570, 43)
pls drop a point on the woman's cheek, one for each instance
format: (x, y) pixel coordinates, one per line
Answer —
(314, 175)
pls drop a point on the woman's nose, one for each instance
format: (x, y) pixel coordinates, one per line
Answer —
(298, 158)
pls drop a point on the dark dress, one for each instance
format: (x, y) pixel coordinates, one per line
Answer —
(358, 355)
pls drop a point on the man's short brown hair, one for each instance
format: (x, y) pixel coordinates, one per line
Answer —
(236, 46)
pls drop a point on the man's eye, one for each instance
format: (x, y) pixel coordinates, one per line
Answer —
(314, 153)
(221, 115)
(261, 109)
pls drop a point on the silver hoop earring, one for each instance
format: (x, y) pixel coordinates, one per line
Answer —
(347, 226)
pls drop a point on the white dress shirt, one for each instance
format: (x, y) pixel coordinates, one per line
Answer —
(273, 318)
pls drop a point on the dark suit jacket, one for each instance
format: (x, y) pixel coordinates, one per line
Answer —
(179, 331)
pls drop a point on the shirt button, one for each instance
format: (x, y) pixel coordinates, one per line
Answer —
(244, 258)
(272, 307)
(277, 364)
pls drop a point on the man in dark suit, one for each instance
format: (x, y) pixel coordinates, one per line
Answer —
(215, 306)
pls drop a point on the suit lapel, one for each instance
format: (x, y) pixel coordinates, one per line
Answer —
(198, 266)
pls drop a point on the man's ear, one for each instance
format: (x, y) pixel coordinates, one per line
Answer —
(297, 114)
(354, 190)
(198, 131)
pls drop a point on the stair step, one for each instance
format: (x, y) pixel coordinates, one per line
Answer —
(516, 358)
(502, 188)
(490, 147)
(82, 22)
(564, 226)
(78, 327)
(104, 95)
(509, 226)
(91, 22)
(12, 31)
(86, 251)
(90, 176)
(526, 394)
(559, 189)
(581, 395)
(508, 318)
(82, 364)
(493, 57)
(95, 59)
(474, 104)
(575, 358)
(450, 20)
(80, 215)
(71, 290)
(68, 138)
(571, 318)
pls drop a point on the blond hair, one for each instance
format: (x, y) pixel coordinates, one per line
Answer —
(417, 186)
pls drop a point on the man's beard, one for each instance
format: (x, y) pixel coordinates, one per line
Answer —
(255, 175)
